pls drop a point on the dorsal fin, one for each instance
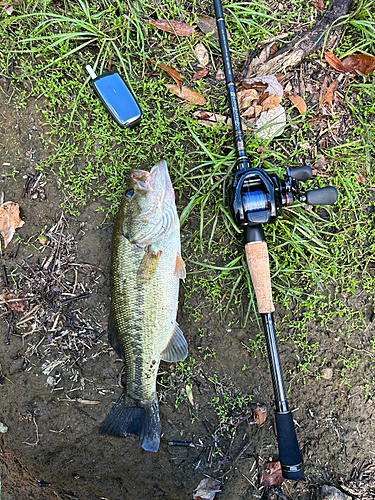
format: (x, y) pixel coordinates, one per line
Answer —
(177, 348)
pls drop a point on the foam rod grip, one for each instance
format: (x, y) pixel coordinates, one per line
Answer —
(289, 453)
(259, 267)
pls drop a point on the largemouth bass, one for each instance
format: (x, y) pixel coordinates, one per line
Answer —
(146, 267)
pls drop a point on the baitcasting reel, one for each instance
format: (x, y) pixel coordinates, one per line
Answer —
(257, 196)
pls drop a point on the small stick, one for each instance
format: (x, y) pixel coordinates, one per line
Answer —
(10, 322)
(6, 282)
(84, 412)
(187, 444)
(75, 298)
(26, 318)
(99, 336)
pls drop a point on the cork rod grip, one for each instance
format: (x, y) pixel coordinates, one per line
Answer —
(259, 267)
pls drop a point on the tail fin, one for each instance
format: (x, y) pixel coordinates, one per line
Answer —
(129, 417)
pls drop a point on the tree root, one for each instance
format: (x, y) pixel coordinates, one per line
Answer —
(324, 35)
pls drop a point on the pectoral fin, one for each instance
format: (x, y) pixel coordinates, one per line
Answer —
(148, 265)
(177, 348)
(180, 270)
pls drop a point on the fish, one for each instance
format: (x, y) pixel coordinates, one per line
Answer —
(146, 269)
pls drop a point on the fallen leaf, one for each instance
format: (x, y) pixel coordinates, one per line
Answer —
(168, 69)
(14, 302)
(273, 85)
(270, 474)
(189, 393)
(362, 179)
(323, 91)
(206, 489)
(187, 94)
(9, 10)
(328, 98)
(259, 413)
(299, 103)
(207, 24)
(220, 75)
(246, 97)
(175, 27)
(199, 75)
(318, 5)
(250, 111)
(202, 54)
(9, 220)
(361, 62)
(257, 110)
(336, 63)
(271, 123)
(271, 102)
(211, 119)
(320, 163)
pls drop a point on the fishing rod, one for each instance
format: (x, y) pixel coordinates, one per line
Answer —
(257, 198)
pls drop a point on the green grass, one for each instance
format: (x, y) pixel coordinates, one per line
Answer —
(318, 257)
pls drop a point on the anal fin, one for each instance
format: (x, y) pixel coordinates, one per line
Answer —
(177, 348)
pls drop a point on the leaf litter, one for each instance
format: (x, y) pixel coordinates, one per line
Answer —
(58, 329)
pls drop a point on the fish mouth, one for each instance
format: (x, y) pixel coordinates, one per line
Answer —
(156, 180)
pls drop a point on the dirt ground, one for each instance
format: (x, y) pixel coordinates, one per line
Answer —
(52, 449)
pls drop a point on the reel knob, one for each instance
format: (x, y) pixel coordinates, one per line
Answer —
(324, 196)
(303, 173)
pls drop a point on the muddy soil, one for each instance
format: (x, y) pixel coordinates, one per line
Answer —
(52, 448)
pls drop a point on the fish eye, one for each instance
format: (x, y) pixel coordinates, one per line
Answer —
(129, 193)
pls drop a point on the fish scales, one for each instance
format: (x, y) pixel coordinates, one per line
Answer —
(146, 267)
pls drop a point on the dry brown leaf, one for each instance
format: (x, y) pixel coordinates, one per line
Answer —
(210, 119)
(9, 220)
(320, 163)
(323, 91)
(187, 94)
(259, 413)
(189, 393)
(271, 102)
(361, 62)
(328, 98)
(171, 71)
(246, 97)
(202, 55)
(273, 85)
(207, 24)
(336, 63)
(319, 5)
(220, 75)
(207, 489)
(299, 103)
(14, 302)
(270, 474)
(199, 74)
(362, 179)
(175, 27)
(250, 111)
